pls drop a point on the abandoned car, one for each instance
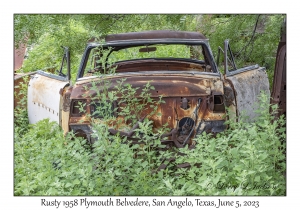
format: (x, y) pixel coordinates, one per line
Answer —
(184, 81)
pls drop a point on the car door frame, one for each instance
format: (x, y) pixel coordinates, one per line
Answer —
(247, 84)
(45, 92)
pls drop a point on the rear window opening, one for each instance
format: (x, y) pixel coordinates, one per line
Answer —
(156, 57)
(158, 51)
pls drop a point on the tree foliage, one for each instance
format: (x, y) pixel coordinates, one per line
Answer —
(47, 33)
(253, 37)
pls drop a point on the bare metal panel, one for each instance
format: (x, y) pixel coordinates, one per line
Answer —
(247, 87)
(44, 98)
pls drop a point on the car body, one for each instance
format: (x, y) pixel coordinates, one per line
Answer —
(278, 95)
(197, 96)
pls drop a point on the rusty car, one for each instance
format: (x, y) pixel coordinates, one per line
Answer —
(179, 65)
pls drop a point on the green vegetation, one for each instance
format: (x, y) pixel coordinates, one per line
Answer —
(47, 33)
(160, 51)
(246, 159)
(253, 38)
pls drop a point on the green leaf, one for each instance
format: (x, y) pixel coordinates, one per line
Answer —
(68, 185)
(76, 181)
(144, 164)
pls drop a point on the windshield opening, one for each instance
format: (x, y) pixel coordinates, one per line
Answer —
(177, 57)
(157, 51)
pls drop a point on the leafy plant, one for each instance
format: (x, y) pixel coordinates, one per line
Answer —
(20, 109)
(246, 159)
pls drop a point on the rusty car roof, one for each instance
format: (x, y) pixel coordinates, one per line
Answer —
(161, 34)
(152, 35)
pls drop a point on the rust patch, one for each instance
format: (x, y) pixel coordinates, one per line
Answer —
(67, 99)
(229, 96)
(247, 88)
(181, 112)
(278, 95)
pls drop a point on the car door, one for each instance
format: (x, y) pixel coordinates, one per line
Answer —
(44, 96)
(247, 83)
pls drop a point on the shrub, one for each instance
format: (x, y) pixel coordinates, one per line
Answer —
(246, 159)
